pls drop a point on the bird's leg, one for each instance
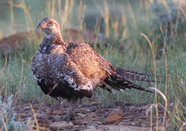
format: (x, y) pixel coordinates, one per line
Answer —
(70, 113)
(63, 104)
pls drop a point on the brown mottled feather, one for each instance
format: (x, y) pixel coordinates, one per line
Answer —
(93, 66)
(75, 67)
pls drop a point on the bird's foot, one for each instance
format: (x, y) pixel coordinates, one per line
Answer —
(68, 117)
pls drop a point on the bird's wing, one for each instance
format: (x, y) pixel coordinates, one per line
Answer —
(38, 66)
(93, 66)
(70, 77)
(57, 67)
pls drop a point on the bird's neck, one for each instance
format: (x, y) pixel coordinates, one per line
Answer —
(56, 38)
(49, 42)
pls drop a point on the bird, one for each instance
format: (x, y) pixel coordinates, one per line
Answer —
(72, 70)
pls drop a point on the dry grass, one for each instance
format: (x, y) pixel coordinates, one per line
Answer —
(126, 49)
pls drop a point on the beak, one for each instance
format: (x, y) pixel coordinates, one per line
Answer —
(41, 25)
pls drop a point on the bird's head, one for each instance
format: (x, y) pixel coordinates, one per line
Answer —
(49, 26)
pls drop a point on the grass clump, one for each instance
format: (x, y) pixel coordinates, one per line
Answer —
(163, 23)
(8, 120)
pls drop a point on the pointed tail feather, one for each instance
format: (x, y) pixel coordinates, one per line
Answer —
(122, 70)
(118, 82)
(133, 75)
(104, 86)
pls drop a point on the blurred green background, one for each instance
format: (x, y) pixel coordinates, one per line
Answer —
(121, 22)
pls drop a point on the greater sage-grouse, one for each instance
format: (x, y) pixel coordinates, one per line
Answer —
(75, 69)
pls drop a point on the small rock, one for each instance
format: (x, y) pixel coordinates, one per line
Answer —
(61, 125)
(114, 117)
(116, 110)
(120, 128)
(94, 103)
(99, 123)
(145, 107)
(92, 127)
(132, 107)
(84, 110)
(77, 128)
(40, 128)
(93, 109)
(81, 115)
(58, 112)
(27, 108)
(132, 123)
(57, 118)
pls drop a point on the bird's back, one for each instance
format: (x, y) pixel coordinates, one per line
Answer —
(93, 66)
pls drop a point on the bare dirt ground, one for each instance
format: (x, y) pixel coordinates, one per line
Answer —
(89, 117)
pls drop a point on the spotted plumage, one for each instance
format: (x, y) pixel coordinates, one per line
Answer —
(76, 68)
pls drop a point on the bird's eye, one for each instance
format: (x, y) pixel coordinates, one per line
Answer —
(50, 22)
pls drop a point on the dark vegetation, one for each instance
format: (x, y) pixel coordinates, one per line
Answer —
(163, 22)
